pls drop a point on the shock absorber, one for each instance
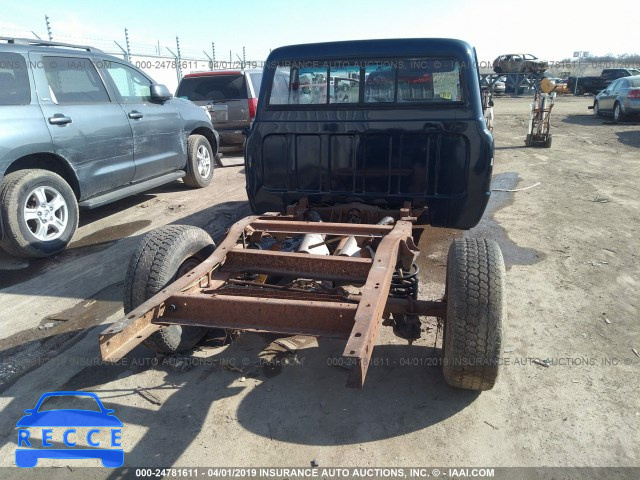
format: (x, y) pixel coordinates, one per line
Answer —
(404, 284)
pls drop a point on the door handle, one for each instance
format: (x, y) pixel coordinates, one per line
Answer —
(59, 119)
(135, 115)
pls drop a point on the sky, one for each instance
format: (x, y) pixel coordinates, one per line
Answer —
(549, 30)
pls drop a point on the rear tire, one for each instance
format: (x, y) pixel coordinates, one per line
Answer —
(164, 255)
(547, 142)
(200, 162)
(39, 213)
(617, 113)
(476, 307)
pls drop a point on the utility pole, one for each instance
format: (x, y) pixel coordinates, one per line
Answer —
(46, 20)
(244, 61)
(213, 53)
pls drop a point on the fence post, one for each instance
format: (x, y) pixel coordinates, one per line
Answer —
(178, 66)
(127, 44)
(46, 20)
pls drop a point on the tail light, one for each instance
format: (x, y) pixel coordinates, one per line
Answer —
(634, 93)
(253, 106)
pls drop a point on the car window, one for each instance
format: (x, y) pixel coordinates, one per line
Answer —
(379, 82)
(280, 88)
(132, 86)
(344, 86)
(256, 81)
(425, 80)
(634, 82)
(213, 87)
(613, 86)
(69, 402)
(623, 84)
(74, 80)
(406, 80)
(14, 80)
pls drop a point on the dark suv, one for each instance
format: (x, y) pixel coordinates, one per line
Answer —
(231, 96)
(79, 128)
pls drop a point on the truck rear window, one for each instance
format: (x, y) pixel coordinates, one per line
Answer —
(213, 87)
(14, 80)
(401, 81)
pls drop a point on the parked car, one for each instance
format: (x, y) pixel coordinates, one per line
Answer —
(594, 85)
(79, 128)
(231, 96)
(620, 99)
(519, 63)
(500, 85)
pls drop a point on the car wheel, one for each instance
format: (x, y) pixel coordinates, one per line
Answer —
(39, 213)
(163, 256)
(200, 162)
(617, 113)
(596, 109)
(579, 91)
(476, 308)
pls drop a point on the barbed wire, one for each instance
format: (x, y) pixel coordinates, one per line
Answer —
(110, 46)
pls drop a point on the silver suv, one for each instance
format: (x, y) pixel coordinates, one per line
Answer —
(231, 96)
(79, 128)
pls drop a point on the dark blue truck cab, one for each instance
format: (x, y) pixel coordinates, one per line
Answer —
(381, 122)
(353, 145)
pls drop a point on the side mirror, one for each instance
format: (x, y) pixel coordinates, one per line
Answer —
(159, 93)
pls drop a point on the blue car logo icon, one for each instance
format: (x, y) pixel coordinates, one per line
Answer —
(69, 419)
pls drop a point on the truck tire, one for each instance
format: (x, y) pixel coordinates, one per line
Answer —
(547, 142)
(162, 256)
(579, 91)
(476, 308)
(200, 162)
(39, 213)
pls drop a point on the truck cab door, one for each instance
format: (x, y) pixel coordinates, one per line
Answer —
(158, 135)
(87, 128)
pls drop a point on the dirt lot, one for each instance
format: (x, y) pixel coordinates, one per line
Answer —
(570, 245)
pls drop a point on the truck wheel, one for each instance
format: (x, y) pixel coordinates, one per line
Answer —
(164, 255)
(476, 307)
(579, 91)
(596, 109)
(200, 162)
(39, 213)
(547, 142)
(617, 113)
